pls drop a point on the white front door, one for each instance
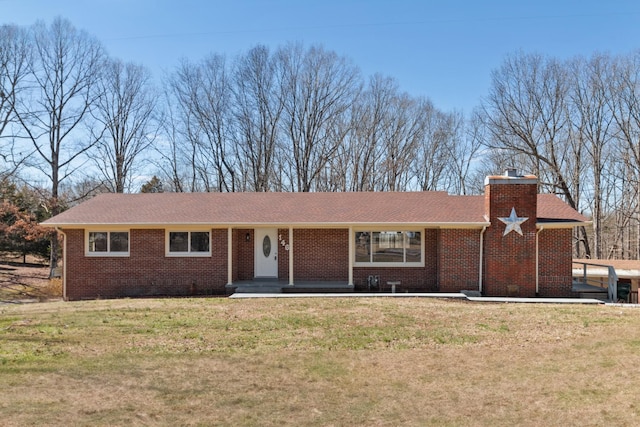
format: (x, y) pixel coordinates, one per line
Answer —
(266, 252)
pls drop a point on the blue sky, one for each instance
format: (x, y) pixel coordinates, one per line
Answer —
(443, 50)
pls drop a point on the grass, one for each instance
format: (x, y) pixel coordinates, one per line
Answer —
(317, 362)
(26, 281)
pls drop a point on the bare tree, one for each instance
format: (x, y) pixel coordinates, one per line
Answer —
(63, 75)
(258, 109)
(465, 152)
(592, 127)
(15, 56)
(319, 87)
(175, 154)
(434, 163)
(362, 148)
(401, 136)
(203, 93)
(124, 114)
(625, 240)
(625, 101)
(527, 113)
(334, 176)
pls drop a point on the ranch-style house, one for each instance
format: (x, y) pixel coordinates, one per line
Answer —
(511, 241)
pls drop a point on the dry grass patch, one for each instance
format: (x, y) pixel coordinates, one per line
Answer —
(317, 362)
(26, 280)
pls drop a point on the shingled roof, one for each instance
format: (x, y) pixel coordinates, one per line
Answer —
(295, 209)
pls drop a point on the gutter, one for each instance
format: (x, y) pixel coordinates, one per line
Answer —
(64, 262)
(224, 225)
(481, 258)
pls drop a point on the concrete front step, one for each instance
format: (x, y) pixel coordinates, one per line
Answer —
(277, 287)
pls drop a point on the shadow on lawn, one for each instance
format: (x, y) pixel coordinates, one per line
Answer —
(28, 281)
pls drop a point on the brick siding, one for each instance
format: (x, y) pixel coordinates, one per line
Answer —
(509, 261)
(452, 258)
(147, 271)
(459, 259)
(413, 279)
(555, 275)
(319, 254)
(243, 250)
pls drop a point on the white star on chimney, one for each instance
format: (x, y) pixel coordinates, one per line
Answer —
(513, 223)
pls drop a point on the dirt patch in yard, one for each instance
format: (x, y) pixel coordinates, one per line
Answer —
(26, 281)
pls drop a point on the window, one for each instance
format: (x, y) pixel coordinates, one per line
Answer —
(188, 243)
(390, 248)
(107, 243)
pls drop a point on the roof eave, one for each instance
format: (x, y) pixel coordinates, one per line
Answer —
(271, 225)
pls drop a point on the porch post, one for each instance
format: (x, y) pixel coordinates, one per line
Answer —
(351, 255)
(229, 256)
(290, 256)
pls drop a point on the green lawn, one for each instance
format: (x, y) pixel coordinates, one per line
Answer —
(323, 361)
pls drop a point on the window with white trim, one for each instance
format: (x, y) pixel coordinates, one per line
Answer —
(188, 243)
(107, 243)
(389, 248)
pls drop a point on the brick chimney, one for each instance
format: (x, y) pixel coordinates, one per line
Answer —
(510, 241)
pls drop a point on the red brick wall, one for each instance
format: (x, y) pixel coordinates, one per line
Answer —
(458, 259)
(555, 276)
(146, 271)
(451, 262)
(318, 254)
(323, 254)
(283, 254)
(509, 261)
(430, 278)
(413, 279)
(243, 249)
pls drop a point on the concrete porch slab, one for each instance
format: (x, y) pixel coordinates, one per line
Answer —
(350, 295)
(421, 295)
(537, 300)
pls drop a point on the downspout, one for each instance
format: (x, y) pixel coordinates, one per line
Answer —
(229, 256)
(484, 228)
(64, 263)
(538, 260)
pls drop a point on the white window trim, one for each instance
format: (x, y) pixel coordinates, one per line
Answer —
(185, 254)
(108, 252)
(389, 264)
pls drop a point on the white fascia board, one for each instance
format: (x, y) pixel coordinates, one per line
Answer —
(360, 225)
(559, 225)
